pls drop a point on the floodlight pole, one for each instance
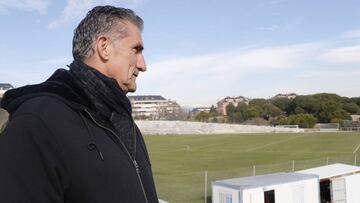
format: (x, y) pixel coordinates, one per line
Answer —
(293, 165)
(355, 159)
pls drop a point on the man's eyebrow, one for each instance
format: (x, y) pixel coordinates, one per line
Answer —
(139, 47)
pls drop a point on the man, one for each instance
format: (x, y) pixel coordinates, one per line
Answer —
(72, 138)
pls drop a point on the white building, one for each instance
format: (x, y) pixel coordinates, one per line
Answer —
(200, 109)
(286, 95)
(339, 183)
(271, 188)
(154, 107)
(355, 117)
(222, 104)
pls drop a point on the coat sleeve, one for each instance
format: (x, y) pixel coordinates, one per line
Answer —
(32, 166)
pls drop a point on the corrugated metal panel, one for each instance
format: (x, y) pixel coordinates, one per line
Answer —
(298, 194)
(332, 170)
(353, 188)
(338, 190)
(263, 180)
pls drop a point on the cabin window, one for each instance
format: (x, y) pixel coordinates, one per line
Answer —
(269, 196)
(325, 195)
(225, 197)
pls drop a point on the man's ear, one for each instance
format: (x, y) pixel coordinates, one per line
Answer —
(103, 46)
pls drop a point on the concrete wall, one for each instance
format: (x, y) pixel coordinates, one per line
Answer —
(186, 127)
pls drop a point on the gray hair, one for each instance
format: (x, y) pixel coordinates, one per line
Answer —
(99, 21)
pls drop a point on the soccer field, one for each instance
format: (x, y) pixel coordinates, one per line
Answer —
(179, 162)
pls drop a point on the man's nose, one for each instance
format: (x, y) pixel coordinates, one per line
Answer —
(141, 65)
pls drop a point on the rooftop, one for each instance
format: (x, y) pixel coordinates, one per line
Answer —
(5, 86)
(332, 170)
(146, 97)
(263, 180)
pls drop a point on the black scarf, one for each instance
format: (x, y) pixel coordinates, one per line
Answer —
(109, 101)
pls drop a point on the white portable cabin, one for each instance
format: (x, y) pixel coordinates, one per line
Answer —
(270, 188)
(339, 183)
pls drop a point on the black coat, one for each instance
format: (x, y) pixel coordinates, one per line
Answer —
(55, 149)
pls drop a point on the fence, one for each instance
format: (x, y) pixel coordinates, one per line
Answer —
(194, 187)
(350, 129)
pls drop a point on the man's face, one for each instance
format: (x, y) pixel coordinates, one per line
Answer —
(126, 59)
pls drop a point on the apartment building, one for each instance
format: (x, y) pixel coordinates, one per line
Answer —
(286, 95)
(223, 103)
(154, 107)
(4, 87)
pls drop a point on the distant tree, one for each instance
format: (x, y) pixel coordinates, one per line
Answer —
(303, 120)
(279, 120)
(256, 121)
(299, 110)
(352, 108)
(270, 110)
(325, 97)
(283, 103)
(236, 117)
(202, 116)
(346, 100)
(308, 103)
(230, 108)
(265, 108)
(323, 107)
(258, 102)
(250, 113)
(327, 110)
(235, 114)
(340, 114)
(241, 107)
(213, 111)
(356, 100)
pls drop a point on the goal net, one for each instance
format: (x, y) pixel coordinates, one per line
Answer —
(327, 127)
(287, 128)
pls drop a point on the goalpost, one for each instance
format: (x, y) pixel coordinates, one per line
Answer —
(327, 127)
(287, 128)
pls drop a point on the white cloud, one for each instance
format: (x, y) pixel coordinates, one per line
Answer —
(76, 9)
(234, 63)
(40, 6)
(352, 34)
(271, 28)
(330, 75)
(350, 54)
(57, 61)
(201, 78)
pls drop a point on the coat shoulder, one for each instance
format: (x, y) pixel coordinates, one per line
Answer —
(44, 107)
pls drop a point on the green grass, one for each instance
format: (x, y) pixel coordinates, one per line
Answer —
(179, 162)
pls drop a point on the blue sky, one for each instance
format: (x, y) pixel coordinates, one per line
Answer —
(200, 51)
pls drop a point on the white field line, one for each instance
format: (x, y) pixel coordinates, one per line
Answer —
(273, 143)
(187, 147)
(170, 151)
(282, 151)
(357, 148)
(322, 152)
(208, 146)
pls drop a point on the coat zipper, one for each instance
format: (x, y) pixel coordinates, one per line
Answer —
(133, 161)
(141, 183)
